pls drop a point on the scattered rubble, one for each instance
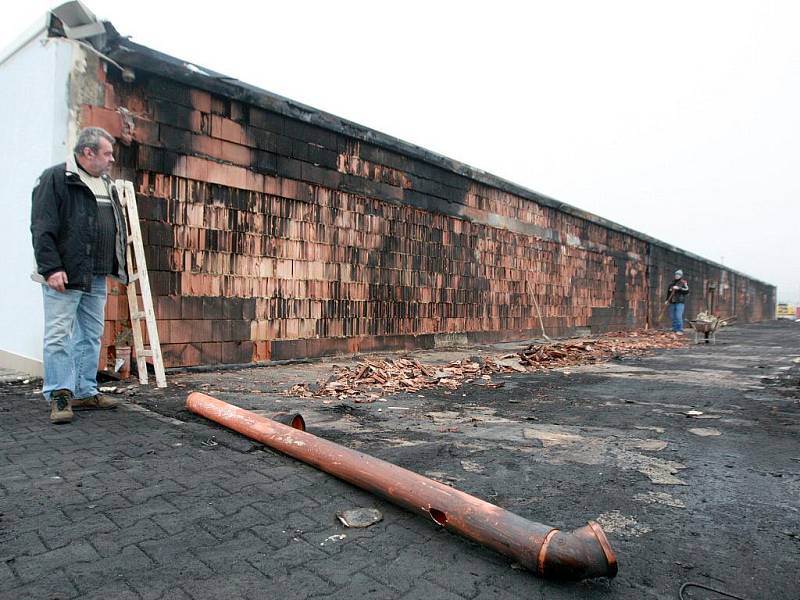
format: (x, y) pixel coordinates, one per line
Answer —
(649, 428)
(390, 375)
(333, 538)
(472, 466)
(406, 374)
(659, 498)
(614, 522)
(714, 321)
(597, 350)
(359, 517)
(705, 431)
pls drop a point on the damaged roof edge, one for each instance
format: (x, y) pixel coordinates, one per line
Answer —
(140, 57)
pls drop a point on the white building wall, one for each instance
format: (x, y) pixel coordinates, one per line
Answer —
(34, 123)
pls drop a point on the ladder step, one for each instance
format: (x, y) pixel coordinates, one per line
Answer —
(137, 315)
(146, 353)
(134, 277)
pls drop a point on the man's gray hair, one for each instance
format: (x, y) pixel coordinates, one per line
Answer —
(89, 137)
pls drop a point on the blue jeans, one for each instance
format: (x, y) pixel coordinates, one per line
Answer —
(676, 314)
(73, 330)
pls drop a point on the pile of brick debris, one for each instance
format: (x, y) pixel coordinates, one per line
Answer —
(372, 378)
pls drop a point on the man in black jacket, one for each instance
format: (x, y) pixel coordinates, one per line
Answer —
(79, 238)
(676, 298)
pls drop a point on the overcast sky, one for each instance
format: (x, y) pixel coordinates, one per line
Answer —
(679, 119)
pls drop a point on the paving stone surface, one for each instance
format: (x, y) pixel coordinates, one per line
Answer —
(150, 503)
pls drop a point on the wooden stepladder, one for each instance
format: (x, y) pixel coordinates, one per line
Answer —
(137, 272)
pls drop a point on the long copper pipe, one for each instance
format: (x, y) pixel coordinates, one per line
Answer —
(581, 554)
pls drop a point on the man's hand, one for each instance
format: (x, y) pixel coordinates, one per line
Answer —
(676, 288)
(58, 281)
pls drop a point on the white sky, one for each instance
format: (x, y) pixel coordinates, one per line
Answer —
(680, 119)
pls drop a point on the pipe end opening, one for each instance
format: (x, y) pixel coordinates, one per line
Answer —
(611, 557)
(581, 554)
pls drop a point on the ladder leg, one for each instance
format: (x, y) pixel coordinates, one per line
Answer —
(136, 328)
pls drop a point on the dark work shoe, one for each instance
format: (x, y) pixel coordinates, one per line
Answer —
(60, 409)
(96, 402)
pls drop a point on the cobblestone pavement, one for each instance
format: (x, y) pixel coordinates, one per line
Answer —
(148, 502)
(129, 504)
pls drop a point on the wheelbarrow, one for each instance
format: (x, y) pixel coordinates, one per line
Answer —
(708, 326)
(708, 329)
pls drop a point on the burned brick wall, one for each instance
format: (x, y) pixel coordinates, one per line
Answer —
(269, 238)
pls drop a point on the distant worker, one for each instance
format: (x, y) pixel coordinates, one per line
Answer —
(79, 239)
(676, 299)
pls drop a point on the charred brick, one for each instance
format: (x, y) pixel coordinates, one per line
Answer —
(179, 140)
(171, 114)
(288, 167)
(212, 307)
(268, 120)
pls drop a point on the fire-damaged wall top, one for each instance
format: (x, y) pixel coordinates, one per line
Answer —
(75, 21)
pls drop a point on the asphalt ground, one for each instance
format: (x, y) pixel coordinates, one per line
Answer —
(152, 502)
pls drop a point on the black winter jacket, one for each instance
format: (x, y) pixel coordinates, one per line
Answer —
(679, 295)
(64, 227)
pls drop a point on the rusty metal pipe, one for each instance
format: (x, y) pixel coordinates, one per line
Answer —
(581, 554)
